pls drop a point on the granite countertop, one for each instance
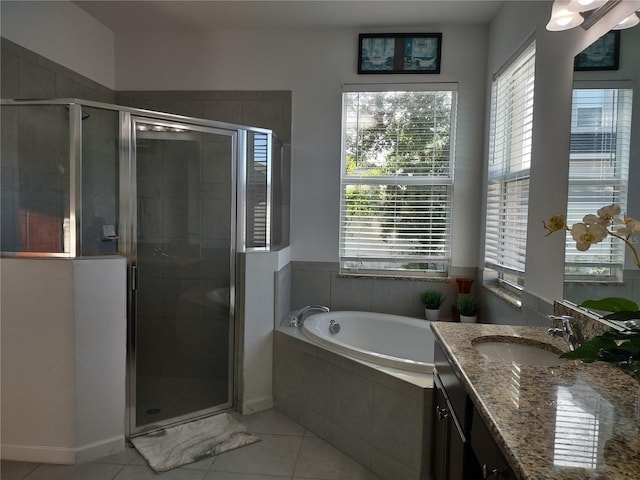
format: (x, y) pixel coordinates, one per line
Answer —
(572, 421)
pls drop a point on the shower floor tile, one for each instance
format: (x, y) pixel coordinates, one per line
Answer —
(161, 398)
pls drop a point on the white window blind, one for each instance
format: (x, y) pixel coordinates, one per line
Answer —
(577, 427)
(598, 175)
(509, 163)
(396, 181)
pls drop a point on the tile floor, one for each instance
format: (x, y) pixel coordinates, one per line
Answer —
(287, 451)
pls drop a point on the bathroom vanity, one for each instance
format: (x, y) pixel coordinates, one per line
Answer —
(463, 447)
(536, 418)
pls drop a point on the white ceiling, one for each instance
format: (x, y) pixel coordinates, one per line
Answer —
(265, 14)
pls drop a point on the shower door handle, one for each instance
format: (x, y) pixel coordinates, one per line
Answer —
(134, 277)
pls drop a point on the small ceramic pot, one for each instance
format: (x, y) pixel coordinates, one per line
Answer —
(432, 314)
(465, 319)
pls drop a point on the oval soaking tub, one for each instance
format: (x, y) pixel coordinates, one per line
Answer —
(391, 340)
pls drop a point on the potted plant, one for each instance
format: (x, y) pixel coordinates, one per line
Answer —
(468, 306)
(432, 300)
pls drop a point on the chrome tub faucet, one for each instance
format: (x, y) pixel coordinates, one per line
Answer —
(296, 317)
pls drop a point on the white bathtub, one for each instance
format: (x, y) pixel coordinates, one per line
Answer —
(400, 342)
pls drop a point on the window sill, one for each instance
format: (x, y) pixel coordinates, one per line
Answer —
(396, 277)
(502, 293)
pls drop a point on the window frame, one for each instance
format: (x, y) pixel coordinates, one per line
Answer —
(506, 225)
(613, 187)
(347, 262)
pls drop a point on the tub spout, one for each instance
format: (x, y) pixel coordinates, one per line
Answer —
(297, 316)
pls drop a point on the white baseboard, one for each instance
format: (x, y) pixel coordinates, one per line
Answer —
(94, 451)
(38, 454)
(59, 455)
(257, 405)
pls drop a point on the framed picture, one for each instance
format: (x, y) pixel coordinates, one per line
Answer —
(399, 53)
(603, 54)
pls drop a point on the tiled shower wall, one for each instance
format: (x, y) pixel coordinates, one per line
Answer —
(28, 75)
(36, 184)
(264, 109)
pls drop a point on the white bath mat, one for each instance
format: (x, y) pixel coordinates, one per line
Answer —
(183, 444)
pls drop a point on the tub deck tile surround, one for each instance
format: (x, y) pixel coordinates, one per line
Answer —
(568, 422)
(373, 417)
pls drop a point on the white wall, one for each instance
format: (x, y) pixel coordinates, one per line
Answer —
(38, 363)
(551, 126)
(101, 352)
(64, 33)
(63, 358)
(314, 64)
(259, 320)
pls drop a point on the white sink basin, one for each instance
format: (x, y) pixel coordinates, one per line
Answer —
(518, 350)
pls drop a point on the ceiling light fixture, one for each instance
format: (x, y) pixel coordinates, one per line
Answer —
(562, 18)
(584, 5)
(631, 21)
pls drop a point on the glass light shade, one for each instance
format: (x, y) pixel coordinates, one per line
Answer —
(585, 5)
(562, 18)
(631, 21)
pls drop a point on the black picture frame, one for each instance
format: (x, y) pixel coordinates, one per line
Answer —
(603, 54)
(385, 53)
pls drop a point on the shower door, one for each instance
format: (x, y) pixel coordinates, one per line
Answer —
(181, 332)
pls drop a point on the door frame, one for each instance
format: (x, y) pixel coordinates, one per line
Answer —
(128, 248)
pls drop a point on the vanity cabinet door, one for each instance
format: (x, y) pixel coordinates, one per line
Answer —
(492, 463)
(448, 442)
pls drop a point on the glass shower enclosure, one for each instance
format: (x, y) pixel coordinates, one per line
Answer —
(179, 197)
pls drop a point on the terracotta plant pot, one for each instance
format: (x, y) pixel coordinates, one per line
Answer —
(464, 285)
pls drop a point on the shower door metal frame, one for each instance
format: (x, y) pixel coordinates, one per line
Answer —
(127, 198)
(128, 213)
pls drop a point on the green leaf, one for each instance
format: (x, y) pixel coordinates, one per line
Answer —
(621, 335)
(616, 355)
(611, 304)
(623, 315)
(590, 351)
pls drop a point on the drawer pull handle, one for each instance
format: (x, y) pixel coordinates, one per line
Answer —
(443, 413)
(488, 474)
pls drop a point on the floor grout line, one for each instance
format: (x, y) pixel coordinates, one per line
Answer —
(295, 464)
(125, 463)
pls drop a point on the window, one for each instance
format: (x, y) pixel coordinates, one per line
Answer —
(509, 163)
(396, 181)
(598, 175)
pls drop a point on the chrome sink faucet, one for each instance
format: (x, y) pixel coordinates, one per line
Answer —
(297, 316)
(570, 330)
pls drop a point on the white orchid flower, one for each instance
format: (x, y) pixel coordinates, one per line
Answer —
(631, 225)
(586, 235)
(607, 214)
(555, 223)
(595, 228)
